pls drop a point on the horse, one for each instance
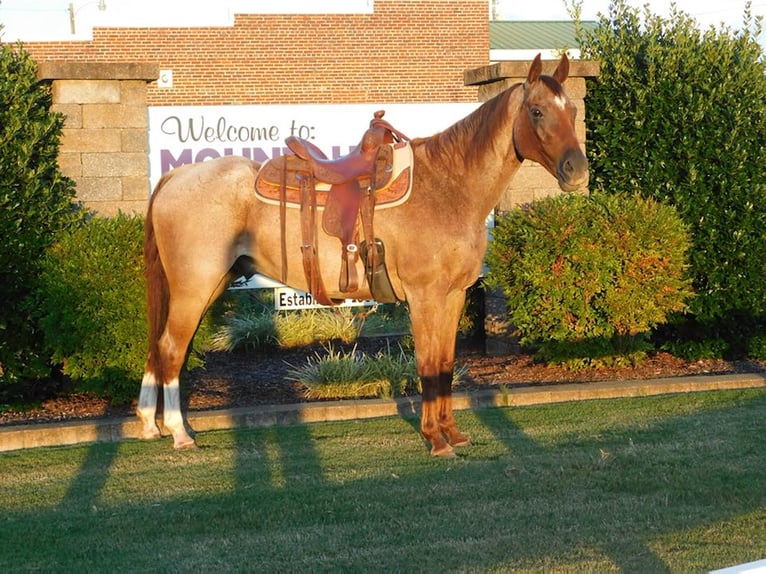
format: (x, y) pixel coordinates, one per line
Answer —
(205, 227)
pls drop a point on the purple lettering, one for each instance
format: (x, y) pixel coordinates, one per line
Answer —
(206, 153)
(168, 162)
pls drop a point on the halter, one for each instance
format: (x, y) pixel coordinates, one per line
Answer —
(516, 147)
(519, 156)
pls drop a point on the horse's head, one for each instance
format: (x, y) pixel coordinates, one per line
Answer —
(544, 131)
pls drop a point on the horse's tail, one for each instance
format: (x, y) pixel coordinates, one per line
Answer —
(157, 292)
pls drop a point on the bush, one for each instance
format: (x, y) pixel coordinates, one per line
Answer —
(36, 205)
(677, 114)
(93, 306)
(588, 277)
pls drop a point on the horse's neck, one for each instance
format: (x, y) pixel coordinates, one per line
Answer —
(477, 180)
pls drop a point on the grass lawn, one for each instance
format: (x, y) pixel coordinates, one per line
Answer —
(659, 484)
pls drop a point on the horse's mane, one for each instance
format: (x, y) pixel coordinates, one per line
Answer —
(470, 137)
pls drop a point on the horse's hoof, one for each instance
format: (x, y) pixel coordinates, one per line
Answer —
(456, 438)
(151, 434)
(185, 445)
(444, 452)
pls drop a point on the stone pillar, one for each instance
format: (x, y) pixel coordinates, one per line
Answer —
(532, 182)
(104, 146)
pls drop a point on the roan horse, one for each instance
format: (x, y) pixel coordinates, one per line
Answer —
(205, 226)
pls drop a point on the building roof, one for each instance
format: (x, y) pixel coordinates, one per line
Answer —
(534, 35)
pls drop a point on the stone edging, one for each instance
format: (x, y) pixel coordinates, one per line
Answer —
(15, 437)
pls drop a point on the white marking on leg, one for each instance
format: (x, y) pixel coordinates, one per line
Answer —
(173, 418)
(147, 406)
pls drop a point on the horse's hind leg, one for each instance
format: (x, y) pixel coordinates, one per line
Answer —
(168, 359)
(184, 315)
(172, 361)
(147, 405)
(172, 415)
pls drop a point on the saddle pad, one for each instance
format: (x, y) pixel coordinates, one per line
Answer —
(395, 190)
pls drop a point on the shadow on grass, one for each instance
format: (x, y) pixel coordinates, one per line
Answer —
(587, 485)
(506, 431)
(86, 486)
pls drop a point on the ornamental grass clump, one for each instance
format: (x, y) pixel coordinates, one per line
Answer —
(587, 278)
(308, 326)
(354, 374)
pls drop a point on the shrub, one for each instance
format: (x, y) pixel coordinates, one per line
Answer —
(36, 205)
(588, 277)
(92, 306)
(677, 114)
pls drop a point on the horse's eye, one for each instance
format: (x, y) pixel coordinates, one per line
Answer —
(536, 113)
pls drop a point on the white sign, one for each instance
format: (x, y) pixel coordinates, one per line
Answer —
(180, 135)
(287, 299)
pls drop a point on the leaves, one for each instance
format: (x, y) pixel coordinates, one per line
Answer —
(36, 205)
(92, 305)
(605, 268)
(678, 115)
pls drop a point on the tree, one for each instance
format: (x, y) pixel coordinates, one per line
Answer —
(678, 115)
(36, 205)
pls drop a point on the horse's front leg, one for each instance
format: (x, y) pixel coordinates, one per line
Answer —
(434, 328)
(447, 423)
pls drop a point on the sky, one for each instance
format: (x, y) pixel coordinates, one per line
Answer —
(31, 20)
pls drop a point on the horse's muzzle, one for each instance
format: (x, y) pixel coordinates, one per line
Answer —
(572, 172)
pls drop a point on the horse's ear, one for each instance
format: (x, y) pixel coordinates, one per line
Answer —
(535, 70)
(562, 70)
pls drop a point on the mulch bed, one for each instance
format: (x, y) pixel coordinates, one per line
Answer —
(242, 379)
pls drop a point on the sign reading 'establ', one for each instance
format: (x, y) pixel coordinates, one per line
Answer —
(287, 299)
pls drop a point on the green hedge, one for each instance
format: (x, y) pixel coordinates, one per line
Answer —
(588, 277)
(36, 205)
(679, 115)
(92, 306)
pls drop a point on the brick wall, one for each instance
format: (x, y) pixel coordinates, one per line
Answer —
(406, 51)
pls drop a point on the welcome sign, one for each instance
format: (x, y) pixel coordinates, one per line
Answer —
(179, 135)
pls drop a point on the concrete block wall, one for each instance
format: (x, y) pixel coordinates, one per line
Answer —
(104, 145)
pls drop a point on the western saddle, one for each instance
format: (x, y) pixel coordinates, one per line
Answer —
(346, 188)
